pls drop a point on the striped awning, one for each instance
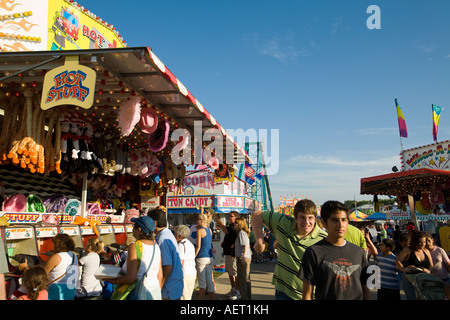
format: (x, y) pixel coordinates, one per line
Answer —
(16, 181)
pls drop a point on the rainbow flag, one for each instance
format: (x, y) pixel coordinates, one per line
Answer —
(401, 121)
(436, 117)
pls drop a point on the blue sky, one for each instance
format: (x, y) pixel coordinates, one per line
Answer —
(311, 69)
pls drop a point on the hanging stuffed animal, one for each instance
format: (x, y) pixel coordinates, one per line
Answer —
(418, 204)
(181, 173)
(436, 194)
(129, 115)
(12, 109)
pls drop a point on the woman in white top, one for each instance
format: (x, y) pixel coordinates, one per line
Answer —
(62, 269)
(143, 231)
(187, 257)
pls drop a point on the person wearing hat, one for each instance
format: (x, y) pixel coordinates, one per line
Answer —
(144, 232)
(172, 269)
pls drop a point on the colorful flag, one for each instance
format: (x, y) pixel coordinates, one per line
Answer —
(249, 180)
(401, 122)
(249, 171)
(436, 117)
(260, 174)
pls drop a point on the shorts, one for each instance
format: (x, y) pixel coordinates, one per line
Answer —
(230, 266)
(205, 273)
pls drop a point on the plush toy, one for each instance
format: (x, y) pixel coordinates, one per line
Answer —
(144, 164)
(4, 221)
(85, 222)
(129, 115)
(436, 194)
(419, 205)
(109, 159)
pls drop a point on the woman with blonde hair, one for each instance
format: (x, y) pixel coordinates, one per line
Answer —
(204, 258)
(90, 285)
(243, 260)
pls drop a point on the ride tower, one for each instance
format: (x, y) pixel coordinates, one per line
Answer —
(258, 186)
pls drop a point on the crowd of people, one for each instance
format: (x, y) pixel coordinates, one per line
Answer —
(329, 258)
(316, 257)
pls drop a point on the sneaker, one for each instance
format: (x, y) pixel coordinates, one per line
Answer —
(236, 296)
(231, 293)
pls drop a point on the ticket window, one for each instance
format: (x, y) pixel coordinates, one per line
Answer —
(21, 244)
(45, 244)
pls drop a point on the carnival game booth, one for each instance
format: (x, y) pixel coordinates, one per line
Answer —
(423, 185)
(80, 107)
(88, 148)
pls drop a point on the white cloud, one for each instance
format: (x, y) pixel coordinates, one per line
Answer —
(335, 25)
(328, 177)
(376, 131)
(281, 47)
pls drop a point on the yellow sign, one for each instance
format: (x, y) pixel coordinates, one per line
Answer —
(71, 28)
(38, 25)
(70, 84)
(224, 173)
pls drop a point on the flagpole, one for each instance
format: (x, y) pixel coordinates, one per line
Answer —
(401, 143)
(432, 123)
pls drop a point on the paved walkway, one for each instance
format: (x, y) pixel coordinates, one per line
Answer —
(261, 280)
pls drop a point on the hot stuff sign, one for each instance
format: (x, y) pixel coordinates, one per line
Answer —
(70, 84)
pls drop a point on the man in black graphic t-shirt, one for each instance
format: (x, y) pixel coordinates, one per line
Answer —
(335, 267)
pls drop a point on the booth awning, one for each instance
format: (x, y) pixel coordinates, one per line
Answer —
(404, 182)
(121, 73)
(19, 181)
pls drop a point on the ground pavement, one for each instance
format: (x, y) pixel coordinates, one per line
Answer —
(261, 280)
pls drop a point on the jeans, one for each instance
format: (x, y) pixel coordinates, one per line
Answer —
(279, 295)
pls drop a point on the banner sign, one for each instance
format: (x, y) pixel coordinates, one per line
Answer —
(190, 202)
(19, 233)
(433, 156)
(31, 217)
(230, 202)
(46, 232)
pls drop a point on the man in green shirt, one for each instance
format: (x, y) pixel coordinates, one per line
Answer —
(293, 235)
